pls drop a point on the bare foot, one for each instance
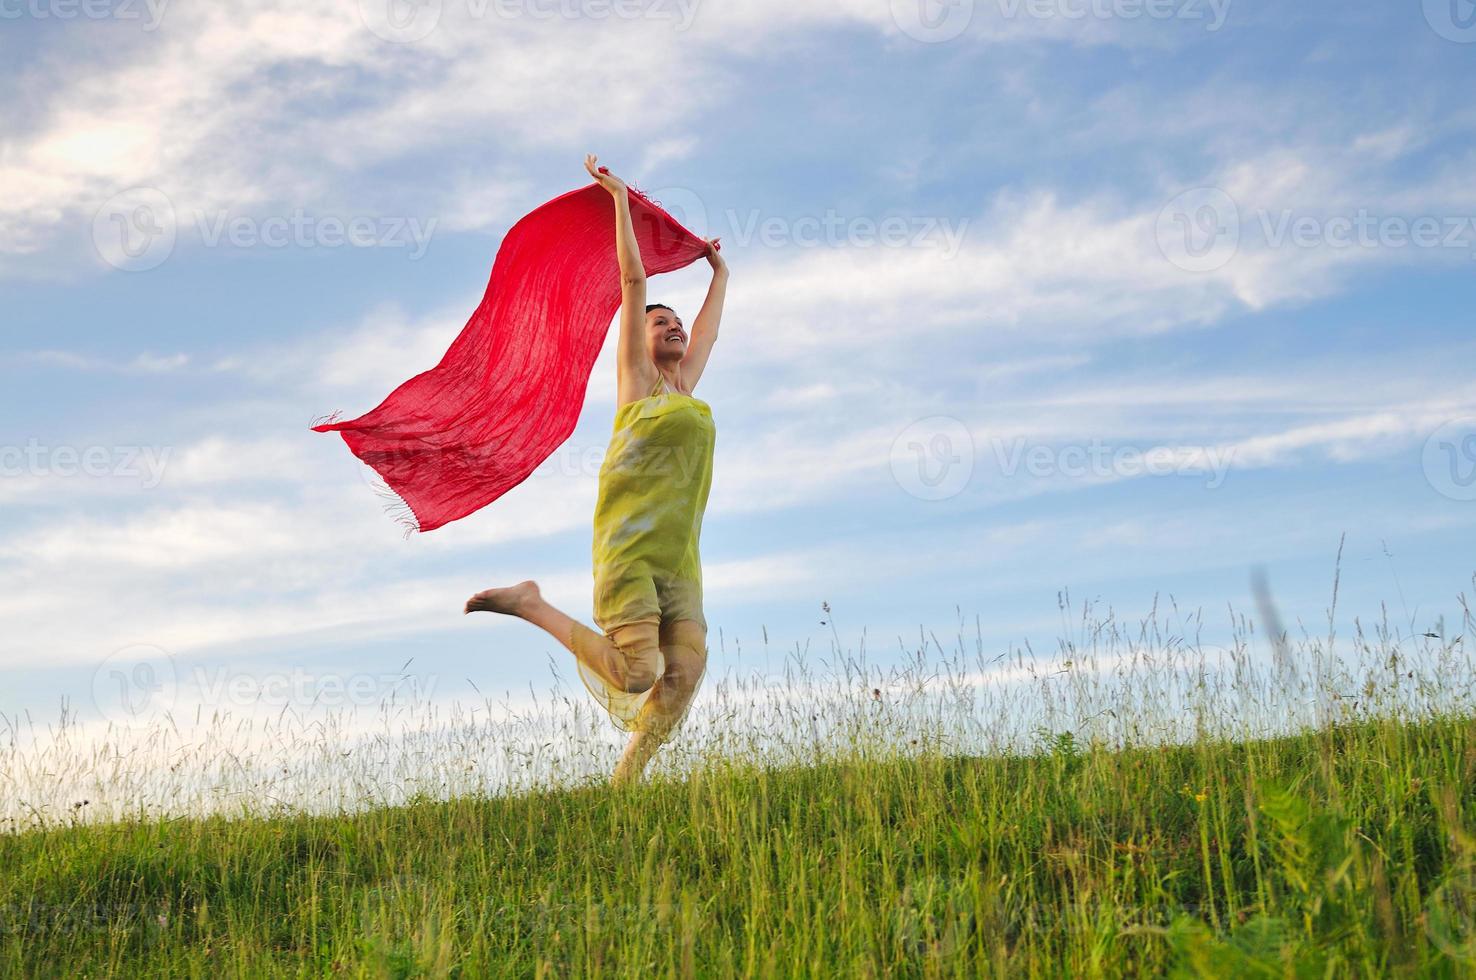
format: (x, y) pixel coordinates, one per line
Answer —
(510, 601)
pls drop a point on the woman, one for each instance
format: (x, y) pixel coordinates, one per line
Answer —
(654, 484)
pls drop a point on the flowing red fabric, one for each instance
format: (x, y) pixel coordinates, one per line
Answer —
(450, 441)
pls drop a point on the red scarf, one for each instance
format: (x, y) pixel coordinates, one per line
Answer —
(455, 438)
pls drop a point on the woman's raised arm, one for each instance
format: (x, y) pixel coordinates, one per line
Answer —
(633, 367)
(705, 327)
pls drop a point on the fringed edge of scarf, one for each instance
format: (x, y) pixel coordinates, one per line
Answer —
(394, 504)
(630, 186)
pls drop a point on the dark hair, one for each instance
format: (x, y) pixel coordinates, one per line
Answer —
(660, 306)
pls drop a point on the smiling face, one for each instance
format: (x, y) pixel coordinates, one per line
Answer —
(666, 337)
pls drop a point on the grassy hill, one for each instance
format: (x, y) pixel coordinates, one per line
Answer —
(1349, 851)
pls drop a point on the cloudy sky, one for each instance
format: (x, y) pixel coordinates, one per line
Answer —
(1125, 297)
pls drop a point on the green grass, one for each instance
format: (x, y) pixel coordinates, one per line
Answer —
(1142, 802)
(1347, 851)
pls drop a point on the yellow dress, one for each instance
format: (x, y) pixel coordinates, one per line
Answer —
(654, 484)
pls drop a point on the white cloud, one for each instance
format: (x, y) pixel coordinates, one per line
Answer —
(212, 536)
(1346, 440)
(217, 460)
(1081, 271)
(667, 151)
(186, 108)
(138, 364)
(238, 107)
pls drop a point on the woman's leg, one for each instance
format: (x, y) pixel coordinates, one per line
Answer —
(684, 645)
(631, 665)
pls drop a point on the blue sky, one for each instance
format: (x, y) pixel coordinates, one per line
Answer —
(986, 256)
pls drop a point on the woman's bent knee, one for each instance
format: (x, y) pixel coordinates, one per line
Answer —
(643, 668)
(641, 674)
(640, 660)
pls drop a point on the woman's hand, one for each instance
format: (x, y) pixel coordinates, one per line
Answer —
(715, 258)
(603, 177)
(705, 327)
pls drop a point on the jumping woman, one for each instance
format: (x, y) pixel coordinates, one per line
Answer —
(653, 490)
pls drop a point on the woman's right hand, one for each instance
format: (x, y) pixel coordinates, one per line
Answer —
(715, 258)
(603, 177)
